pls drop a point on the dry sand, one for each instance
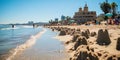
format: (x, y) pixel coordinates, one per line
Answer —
(114, 32)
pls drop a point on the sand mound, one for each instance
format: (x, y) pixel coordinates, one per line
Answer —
(103, 37)
(85, 34)
(86, 44)
(83, 54)
(62, 33)
(118, 44)
(80, 41)
(93, 34)
(75, 36)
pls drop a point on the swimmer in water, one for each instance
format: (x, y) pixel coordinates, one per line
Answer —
(13, 26)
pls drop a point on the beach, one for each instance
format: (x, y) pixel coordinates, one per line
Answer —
(79, 42)
(59, 30)
(85, 46)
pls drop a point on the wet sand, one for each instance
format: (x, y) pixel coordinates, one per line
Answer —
(45, 48)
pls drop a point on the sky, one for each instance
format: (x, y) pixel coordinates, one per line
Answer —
(22, 11)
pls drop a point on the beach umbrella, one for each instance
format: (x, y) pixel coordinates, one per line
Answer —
(109, 14)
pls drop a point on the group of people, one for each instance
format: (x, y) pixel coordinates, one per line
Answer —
(113, 21)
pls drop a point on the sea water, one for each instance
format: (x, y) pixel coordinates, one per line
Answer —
(45, 48)
(10, 38)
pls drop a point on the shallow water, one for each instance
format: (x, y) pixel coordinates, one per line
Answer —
(45, 48)
(10, 38)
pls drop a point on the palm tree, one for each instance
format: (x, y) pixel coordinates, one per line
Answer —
(105, 7)
(68, 18)
(56, 20)
(114, 6)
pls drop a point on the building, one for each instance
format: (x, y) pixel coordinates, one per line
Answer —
(84, 15)
(30, 22)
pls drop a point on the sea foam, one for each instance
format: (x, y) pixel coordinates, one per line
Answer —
(9, 28)
(27, 44)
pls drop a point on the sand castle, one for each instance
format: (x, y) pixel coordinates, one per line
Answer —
(62, 33)
(80, 41)
(91, 44)
(93, 34)
(103, 37)
(118, 44)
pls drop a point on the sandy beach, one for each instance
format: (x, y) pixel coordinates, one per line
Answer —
(60, 30)
(92, 49)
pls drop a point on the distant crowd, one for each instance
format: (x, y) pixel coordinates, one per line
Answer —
(113, 21)
(109, 21)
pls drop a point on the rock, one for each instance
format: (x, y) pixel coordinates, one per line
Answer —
(118, 44)
(62, 33)
(80, 41)
(103, 37)
(93, 34)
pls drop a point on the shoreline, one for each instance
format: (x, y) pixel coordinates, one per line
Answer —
(44, 49)
(31, 41)
(105, 51)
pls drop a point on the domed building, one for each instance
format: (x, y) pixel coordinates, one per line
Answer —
(82, 16)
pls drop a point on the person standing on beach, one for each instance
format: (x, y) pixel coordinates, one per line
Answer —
(33, 25)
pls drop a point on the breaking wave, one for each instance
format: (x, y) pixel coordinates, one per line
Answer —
(31, 41)
(9, 28)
